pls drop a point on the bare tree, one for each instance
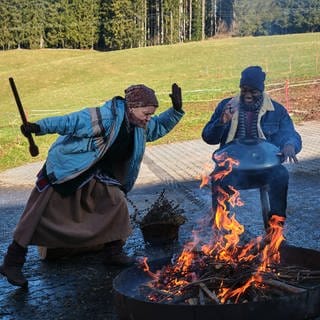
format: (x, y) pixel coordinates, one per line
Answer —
(190, 19)
(203, 19)
(157, 23)
(161, 23)
(180, 20)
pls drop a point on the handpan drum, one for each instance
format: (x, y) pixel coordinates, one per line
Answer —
(252, 154)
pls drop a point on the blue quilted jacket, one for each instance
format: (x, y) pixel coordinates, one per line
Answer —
(86, 135)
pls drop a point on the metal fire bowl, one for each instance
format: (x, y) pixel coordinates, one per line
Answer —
(252, 154)
(305, 305)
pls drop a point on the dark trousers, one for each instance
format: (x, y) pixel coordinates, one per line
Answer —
(276, 178)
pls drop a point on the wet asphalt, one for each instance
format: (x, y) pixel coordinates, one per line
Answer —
(81, 287)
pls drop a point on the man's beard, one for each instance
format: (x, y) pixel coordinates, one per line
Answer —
(254, 99)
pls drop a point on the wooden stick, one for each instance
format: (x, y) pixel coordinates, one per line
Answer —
(146, 288)
(192, 301)
(283, 286)
(201, 297)
(209, 293)
(33, 148)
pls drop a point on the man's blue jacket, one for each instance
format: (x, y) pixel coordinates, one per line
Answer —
(274, 125)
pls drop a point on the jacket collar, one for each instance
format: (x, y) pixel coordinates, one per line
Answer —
(267, 105)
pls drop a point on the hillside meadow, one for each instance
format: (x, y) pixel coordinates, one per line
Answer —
(56, 82)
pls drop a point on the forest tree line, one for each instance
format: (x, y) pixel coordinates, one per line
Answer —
(122, 24)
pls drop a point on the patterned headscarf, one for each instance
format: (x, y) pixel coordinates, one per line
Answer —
(140, 96)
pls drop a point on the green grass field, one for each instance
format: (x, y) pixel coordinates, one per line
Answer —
(56, 82)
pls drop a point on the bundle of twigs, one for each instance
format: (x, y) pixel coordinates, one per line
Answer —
(296, 274)
(162, 210)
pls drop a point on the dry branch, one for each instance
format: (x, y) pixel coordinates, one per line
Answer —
(283, 286)
(210, 294)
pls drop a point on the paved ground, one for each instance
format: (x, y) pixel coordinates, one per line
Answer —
(79, 287)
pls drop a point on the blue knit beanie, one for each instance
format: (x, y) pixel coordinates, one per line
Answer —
(253, 77)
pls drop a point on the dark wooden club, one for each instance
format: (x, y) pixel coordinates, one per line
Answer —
(33, 148)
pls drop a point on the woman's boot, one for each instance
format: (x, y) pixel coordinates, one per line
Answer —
(115, 256)
(13, 263)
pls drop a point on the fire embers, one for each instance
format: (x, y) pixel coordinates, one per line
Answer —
(217, 274)
(221, 270)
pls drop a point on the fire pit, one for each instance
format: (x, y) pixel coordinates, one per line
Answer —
(131, 305)
(222, 277)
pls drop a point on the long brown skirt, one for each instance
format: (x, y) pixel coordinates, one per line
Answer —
(93, 215)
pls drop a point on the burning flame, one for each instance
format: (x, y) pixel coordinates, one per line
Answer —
(145, 267)
(224, 246)
(205, 175)
(270, 254)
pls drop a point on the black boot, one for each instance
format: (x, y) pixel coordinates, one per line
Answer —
(13, 263)
(115, 256)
